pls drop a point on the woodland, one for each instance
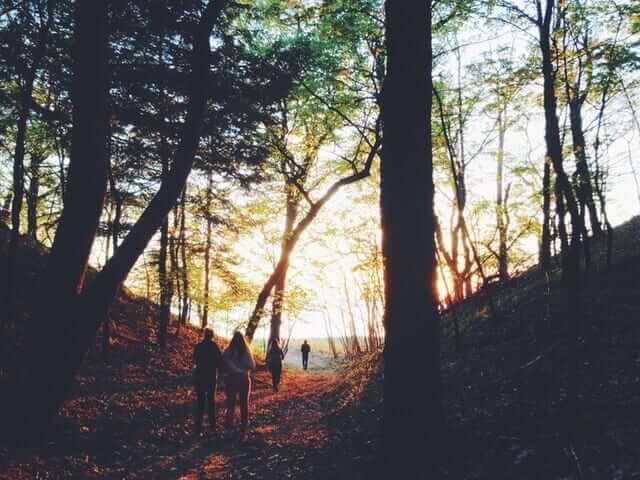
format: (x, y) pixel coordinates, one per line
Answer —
(441, 196)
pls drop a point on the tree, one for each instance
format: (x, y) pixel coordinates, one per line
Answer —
(411, 424)
(26, 79)
(327, 101)
(68, 308)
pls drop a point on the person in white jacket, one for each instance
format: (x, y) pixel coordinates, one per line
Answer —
(238, 363)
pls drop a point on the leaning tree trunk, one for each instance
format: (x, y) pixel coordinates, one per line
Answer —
(67, 324)
(55, 343)
(301, 226)
(411, 423)
(278, 296)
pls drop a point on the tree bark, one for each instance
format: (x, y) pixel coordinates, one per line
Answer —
(584, 181)
(24, 111)
(503, 259)
(184, 271)
(57, 344)
(565, 196)
(67, 324)
(207, 251)
(411, 423)
(545, 241)
(301, 226)
(33, 196)
(278, 297)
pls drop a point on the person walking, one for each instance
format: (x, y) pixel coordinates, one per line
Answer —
(238, 363)
(207, 360)
(275, 355)
(305, 349)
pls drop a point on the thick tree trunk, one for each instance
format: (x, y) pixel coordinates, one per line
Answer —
(67, 324)
(33, 196)
(57, 341)
(278, 297)
(411, 423)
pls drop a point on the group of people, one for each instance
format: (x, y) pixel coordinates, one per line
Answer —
(236, 364)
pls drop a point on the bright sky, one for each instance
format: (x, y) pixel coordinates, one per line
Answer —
(324, 263)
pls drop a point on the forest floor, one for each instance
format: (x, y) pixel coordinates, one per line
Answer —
(130, 422)
(504, 397)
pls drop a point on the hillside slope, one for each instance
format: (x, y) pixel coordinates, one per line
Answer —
(503, 397)
(505, 388)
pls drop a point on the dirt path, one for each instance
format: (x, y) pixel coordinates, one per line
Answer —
(142, 431)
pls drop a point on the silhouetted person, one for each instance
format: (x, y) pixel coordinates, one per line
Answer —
(305, 349)
(275, 355)
(208, 360)
(238, 363)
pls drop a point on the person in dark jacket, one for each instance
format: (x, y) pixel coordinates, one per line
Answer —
(305, 349)
(275, 355)
(208, 360)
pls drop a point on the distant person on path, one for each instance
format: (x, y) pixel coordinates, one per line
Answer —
(207, 358)
(238, 363)
(305, 349)
(275, 355)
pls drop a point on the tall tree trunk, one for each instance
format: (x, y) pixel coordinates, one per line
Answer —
(174, 265)
(56, 345)
(33, 196)
(503, 260)
(584, 181)
(545, 241)
(301, 226)
(165, 283)
(278, 297)
(411, 423)
(117, 203)
(207, 251)
(67, 324)
(24, 111)
(18, 194)
(570, 249)
(184, 271)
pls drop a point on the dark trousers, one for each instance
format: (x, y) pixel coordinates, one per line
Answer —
(276, 373)
(305, 360)
(238, 390)
(206, 399)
